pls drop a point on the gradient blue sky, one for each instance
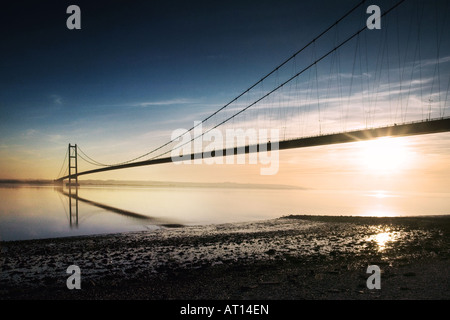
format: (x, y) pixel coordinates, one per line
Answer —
(138, 70)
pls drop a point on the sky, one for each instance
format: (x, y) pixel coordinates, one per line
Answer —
(136, 71)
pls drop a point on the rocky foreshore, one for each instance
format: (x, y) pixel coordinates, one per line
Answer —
(293, 257)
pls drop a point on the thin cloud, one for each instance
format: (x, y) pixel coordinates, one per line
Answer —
(166, 102)
(433, 62)
(145, 104)
(56, 99)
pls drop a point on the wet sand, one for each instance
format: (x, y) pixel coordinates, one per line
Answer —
(290, 258)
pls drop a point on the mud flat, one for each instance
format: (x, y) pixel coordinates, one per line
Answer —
(289, 258)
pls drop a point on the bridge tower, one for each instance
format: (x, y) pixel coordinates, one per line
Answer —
(73, 165)
(73, 186)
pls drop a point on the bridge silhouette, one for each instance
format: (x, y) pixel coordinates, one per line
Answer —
(391, 86)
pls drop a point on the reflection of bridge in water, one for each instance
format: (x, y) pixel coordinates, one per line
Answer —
(74, 198)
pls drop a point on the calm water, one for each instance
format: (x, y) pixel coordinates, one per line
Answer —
(44, 212)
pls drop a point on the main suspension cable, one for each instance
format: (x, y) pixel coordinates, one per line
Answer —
(94, 162)
(281, 85)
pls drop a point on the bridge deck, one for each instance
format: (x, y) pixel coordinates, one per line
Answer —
(401, 130)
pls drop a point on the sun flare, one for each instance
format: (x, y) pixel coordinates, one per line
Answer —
(384, 156)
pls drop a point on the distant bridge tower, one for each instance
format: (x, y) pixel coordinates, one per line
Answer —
(73, 165)
(73, 186)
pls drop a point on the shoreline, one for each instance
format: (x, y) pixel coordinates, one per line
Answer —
(288, 258)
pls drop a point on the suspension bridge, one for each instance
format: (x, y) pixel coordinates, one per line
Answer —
(349, 83)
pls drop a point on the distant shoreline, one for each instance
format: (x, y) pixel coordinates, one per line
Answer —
(27, 181)
(133, 183)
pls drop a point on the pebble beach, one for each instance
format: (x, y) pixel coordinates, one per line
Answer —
(290, 258)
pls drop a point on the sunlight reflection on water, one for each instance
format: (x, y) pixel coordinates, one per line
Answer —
(379, 212)
(383, 237)
(381, 194)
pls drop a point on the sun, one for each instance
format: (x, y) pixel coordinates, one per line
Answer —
(384, 156)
